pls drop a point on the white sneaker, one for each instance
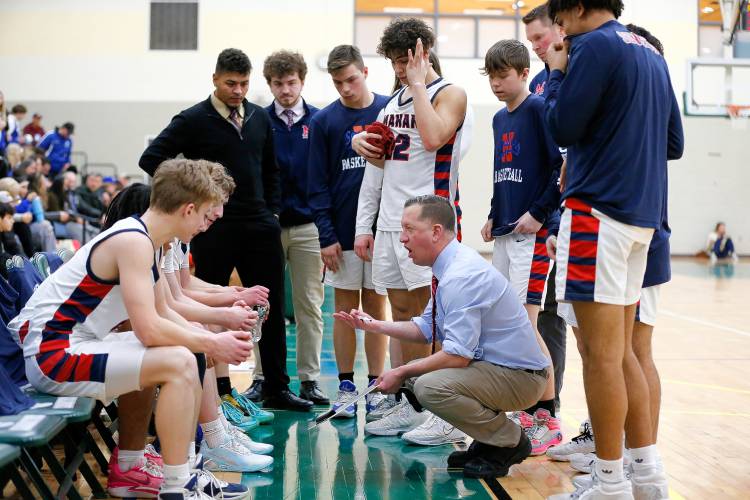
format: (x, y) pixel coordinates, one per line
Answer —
(347, 393)
(434, 432)
(244, 440)
(582, 462)
(231, 456)
(649, 484)
(400, 419)
(598, 490)
(383, 406)
(583, 443)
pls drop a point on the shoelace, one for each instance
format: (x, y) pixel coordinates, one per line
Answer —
(583, 437)
(248, 405)
(430, 422)
(214, 482)
(344, 397)
(385, 404)
(231, 412)
(151, 468)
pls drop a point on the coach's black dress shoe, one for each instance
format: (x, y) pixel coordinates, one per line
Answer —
(286, 400)
(458, 459)
(310, 390)
(493, 461)
(255, 392)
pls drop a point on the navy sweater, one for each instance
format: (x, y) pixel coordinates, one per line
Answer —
(336, 171)
(292, 147)
(616, 112)
(526, 166)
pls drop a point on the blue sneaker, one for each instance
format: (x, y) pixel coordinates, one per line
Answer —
(212, 487)
(231, 456)
(347, 393)
(251, 409)
(236, 417)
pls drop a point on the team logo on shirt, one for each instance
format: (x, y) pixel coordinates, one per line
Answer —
(511, 147)
(539, 90)
(353, 160)
(305, 131)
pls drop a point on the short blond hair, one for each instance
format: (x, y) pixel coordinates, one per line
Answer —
(11, 186)
(223, 180)
(180, 181)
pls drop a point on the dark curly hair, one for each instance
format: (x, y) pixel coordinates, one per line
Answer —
(282, 63)
(233, 61)
(402, 34)
(640, 31)
(133, 200)
(556, 6)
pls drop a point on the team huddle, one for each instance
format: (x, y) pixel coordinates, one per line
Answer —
(370, 185)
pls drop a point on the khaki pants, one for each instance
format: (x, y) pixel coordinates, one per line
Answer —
(475, 399)
(302, 253)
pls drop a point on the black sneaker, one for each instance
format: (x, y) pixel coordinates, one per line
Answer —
(493, 461)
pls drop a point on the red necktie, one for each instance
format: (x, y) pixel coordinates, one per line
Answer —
(434, 311)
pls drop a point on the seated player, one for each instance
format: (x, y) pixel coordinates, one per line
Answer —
(65, 327)
(491, 361)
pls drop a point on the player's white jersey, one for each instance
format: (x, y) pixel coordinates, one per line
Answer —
(410, 170)
(74, 305)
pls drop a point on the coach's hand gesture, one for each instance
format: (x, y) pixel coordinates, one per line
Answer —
(230, 347)
(557, 56)
(418, 65)
(356, 319)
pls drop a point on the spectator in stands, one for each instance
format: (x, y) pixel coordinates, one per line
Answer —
(89, 202)
(16, 116)
(9, 242)
(3, 124)
(68, 223)
(24, 170)
(29, 211)
(57, 146)
(226, 128)
(108, 190)
(14, 155)
(45, 167)
(33, 131)
(720, 246)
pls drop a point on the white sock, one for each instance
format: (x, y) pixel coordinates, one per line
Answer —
(646, 457)
(127, 459)
(609, 471)
(191, 454)
(175, 477)
(223, 420)
(214, 433)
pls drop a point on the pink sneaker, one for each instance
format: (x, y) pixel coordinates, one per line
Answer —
(545, 433)
(142, 481)
(153, 456)
(523, 419)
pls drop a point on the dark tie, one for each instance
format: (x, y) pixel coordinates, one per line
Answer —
(234, 117)
(289, 118)
(434, 311)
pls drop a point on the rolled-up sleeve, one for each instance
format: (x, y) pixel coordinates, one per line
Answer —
(424, 322)
(464, 300)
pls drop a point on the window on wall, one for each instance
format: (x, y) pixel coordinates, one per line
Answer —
(463, 28)
(174, 25)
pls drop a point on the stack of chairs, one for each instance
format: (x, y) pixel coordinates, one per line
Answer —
(33, 422)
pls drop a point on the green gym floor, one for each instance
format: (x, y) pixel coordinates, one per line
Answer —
(336, 460)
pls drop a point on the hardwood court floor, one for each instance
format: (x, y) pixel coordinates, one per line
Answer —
(702, 349)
